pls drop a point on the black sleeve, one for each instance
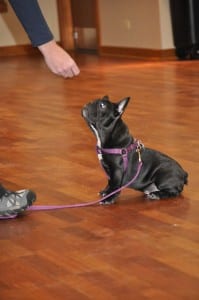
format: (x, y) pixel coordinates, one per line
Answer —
(33, 21)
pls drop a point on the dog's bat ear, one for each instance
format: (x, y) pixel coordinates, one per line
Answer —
(106, 97)
(122, 105)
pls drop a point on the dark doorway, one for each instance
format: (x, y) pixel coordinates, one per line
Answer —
(84, 25)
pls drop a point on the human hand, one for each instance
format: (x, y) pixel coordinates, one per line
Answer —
(58, 60)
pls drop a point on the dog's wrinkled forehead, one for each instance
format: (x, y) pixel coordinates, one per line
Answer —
(99, 107)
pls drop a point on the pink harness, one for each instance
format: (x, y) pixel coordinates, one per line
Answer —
(122, 151)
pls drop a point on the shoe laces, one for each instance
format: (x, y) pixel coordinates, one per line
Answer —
(14, 196)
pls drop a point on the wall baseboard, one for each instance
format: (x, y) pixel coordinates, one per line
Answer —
(17, 50)
(138, 53)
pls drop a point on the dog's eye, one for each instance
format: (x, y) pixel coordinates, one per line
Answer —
(102, 105)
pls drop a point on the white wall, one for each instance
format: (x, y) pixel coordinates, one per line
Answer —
(135, 23)
(11, 31)
(165, 25)
(123, 23)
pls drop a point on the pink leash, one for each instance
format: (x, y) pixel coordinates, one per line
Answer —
(136, 145)
(55, 207)
(85, 204)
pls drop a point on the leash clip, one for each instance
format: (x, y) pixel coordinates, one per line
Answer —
(139, 147)
(139, 155)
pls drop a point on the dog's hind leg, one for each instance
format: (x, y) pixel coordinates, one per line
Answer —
(169, 184)
(149, 191)
(163, 194)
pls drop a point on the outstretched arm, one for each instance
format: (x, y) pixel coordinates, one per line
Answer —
(35, 25)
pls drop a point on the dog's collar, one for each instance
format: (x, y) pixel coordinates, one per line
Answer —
(136, 145)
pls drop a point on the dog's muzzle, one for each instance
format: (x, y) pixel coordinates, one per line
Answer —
(85, 113)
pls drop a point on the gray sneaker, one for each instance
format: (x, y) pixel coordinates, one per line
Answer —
(13, 203)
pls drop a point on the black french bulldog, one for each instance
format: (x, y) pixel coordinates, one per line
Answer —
(160, 176)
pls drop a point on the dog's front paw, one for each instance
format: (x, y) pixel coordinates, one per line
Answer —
(105, 194)
(105, 191)
(109, 200)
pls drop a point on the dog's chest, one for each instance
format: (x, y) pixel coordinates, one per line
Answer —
(99, 144)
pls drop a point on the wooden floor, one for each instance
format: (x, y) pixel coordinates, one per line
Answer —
(135, 249)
